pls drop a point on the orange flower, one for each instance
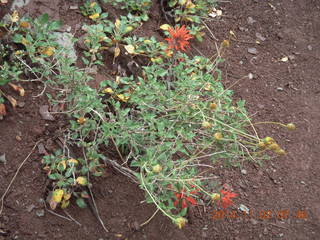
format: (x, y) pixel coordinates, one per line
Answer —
(227, 198)
(179, 38)
(185, 198)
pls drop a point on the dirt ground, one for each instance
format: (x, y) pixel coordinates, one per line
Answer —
(283, 195)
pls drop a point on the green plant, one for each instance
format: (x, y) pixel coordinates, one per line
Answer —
(133, 6)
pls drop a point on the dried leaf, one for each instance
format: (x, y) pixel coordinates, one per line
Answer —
(3, 111)
(116, 52)
(18, 89)
(130, 49)
(12, 101)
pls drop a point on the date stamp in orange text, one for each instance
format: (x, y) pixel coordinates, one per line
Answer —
(281, 214)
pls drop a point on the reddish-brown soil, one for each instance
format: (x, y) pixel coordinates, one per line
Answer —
(279, 91)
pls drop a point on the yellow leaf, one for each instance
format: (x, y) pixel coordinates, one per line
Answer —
(14, 17)
(165, 27)
(130, 49)
(49, 51)
(116, 52)
(147, 41)
(66, 196)
(18, 89)
(57, 195)
(94, 16)
(190, 5)
(117, 24)
(182, 2)
(25, 41)
(82, 181)
(81, 120)
(63, 164)
(93, 4)
(65, 204)
(72, 161)
(128, 29)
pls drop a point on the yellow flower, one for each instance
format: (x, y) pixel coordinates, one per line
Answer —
(94, 16)
(206, 124)
(49, 51)
(24, 24)
(108, 90)
(218, 136)
(180, 222)
(157, 168)
(213, 106)
(123, 98)
(291, 126)
(225, 43)
(215, 196)
(82, 181)
(14, 17)
(81, 120)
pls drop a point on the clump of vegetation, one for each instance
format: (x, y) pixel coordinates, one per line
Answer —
(168, 125)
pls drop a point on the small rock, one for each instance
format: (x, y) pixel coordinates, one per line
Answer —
(253, 51)
(260, 37)
(44, 112)
(31, 207)
(74, 7)
(279, 89)
(265, 230)
(40, 212)
(244, 208)
(18, 138)
(3, 158)
(280, 35)
(21, 104)
(253, 221)
(309, 47)
(244, 172)
(41, 149)
(250, 76)
(250, 20)
(281, 235)
(241, 62)
(291, 57)
(302, 182)
(242, 29)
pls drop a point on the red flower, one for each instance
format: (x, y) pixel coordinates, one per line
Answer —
(178, 38)
(226, 199)
(184, 198)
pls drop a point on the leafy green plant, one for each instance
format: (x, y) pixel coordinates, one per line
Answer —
(141, 7)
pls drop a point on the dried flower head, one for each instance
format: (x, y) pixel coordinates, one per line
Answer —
(179, 38)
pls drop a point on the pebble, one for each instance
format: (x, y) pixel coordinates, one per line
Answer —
(40, 212)
(265, 230)
(260, 37)
(253, 221)
(74, 7)
(31, 207)
(21, 104)
(250, 76)
(252, 51)
(279, 89)
(244, 172)
(3, 158)
(309, 47)
(250, 20)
